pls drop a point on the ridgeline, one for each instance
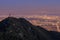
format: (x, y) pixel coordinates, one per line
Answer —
(20, 29)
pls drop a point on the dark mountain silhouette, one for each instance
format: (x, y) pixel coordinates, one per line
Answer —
(20, 29)
(55, 35)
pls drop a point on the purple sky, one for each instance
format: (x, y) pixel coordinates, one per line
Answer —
(30, 7)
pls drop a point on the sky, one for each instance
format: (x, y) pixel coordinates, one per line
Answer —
(30, 7)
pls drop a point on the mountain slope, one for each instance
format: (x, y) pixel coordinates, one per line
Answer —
(20, 29)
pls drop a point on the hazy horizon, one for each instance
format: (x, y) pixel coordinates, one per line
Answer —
(30, 7)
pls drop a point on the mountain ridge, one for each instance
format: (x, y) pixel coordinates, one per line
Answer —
(12, 28)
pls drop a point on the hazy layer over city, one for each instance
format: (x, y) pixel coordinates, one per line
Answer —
(30, 7)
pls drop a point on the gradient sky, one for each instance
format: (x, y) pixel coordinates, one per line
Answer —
(30, 7)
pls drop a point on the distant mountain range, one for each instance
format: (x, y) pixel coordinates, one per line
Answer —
(12, 28)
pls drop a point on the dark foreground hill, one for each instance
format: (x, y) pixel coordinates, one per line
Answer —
(20, 29)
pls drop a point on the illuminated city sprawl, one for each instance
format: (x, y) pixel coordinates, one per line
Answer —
(51, 23)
